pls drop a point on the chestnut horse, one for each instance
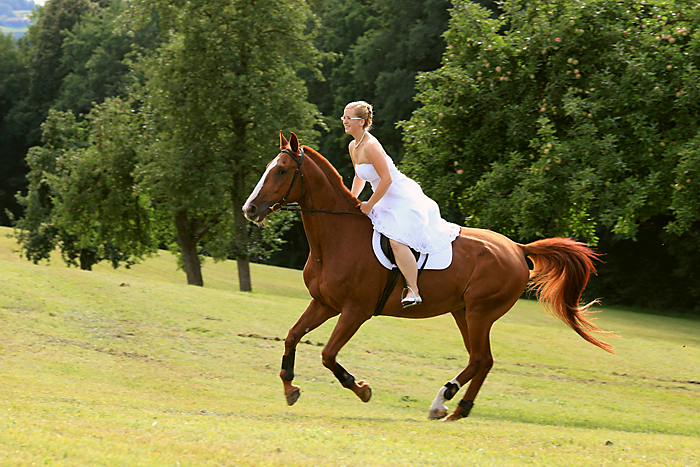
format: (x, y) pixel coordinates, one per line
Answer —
(488, 274)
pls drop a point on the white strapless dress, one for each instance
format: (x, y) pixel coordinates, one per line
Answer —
(406, 214)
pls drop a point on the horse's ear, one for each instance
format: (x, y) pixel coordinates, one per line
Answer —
(294, 142)
(283, 141)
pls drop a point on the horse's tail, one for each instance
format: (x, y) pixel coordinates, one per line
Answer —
(562, 267)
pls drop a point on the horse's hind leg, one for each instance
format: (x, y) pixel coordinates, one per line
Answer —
(315, 315)
(478, 325)
(438, 409)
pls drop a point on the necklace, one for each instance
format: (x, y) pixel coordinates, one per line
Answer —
(363, 137)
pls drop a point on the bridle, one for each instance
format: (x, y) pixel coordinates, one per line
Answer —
(279, 205)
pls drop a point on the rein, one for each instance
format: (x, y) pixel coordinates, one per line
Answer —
(296, 208)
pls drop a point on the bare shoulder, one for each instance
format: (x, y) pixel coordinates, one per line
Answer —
(373, 149)
(372, 144)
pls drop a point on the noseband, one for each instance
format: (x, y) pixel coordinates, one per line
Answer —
(277, 206)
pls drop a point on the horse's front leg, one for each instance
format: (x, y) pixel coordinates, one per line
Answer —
(315, 315)
(347, 326)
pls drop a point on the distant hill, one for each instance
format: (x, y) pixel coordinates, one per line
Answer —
(14, 16)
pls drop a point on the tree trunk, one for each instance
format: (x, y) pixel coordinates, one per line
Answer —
(241, 225)
(87, 258)
(187, 241)
(244, 282)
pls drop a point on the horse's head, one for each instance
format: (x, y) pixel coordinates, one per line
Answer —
(281, 183)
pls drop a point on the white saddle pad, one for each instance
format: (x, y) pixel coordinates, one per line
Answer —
(439, 260)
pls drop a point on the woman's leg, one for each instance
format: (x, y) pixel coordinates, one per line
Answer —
(407, 264)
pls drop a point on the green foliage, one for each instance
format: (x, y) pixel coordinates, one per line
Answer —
(211, 92)
(82, 197)
(560, 116)
(95, 195)
(50, 72)
(215, 96)
(94, 57)
(46, 70)
(571, 118)
(375, 50)
(35, 231)
(686, 189)
(13, 85)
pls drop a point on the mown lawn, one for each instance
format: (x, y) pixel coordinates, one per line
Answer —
(133, 367)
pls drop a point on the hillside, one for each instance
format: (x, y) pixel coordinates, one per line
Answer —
(133, 367)
(14, 22)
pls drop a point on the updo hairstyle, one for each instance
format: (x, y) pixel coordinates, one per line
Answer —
(363, 110)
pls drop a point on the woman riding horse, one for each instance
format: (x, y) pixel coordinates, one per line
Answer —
(397, 208)
(487, 275)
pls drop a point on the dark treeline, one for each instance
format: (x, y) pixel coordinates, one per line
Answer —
(479, 111)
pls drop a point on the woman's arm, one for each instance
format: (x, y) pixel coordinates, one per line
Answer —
(375, 154)
(357, 185)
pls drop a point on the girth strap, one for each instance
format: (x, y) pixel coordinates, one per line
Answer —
(390, 284)
(393, 274)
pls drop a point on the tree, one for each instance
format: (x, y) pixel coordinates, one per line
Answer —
(216, 95)
(565, 118)
(13, 79)
(46, 71)
(81, 64)
(375, 49)
(40, 82)
(96, 59)
(95, 195)
(81, 196)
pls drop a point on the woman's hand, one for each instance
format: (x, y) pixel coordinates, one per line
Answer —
(365, 207)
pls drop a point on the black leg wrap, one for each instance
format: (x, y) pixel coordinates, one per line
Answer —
(288, 365)
(466, 407)
(345, 378)
(450, 390)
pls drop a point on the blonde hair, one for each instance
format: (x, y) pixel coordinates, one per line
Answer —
(363, 110)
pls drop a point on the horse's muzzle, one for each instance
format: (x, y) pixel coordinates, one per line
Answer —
(251, 211)
(254, 214)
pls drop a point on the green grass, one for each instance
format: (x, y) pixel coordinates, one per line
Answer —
(133, 367)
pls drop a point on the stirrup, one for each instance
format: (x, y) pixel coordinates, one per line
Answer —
(414, 300)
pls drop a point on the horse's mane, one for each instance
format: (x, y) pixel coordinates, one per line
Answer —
(331, 174)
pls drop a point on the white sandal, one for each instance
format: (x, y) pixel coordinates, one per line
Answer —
(414, 300)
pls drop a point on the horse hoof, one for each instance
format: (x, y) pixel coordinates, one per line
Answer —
(293, 396)
(365, 393)
(437, 414)
(453, 417)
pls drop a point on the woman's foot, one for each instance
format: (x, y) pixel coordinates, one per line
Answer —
(410, 298)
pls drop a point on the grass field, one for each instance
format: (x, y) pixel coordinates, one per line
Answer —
(135, 368)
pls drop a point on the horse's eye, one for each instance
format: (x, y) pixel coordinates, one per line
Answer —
(281, 171)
